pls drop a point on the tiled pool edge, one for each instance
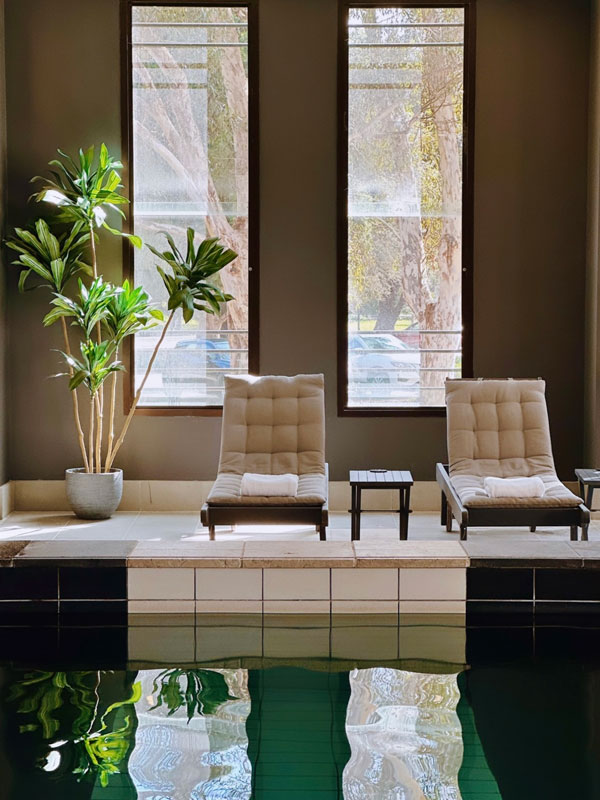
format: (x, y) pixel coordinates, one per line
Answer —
(83, 580)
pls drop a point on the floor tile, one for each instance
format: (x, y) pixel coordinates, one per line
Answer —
(310, 607)
(161, 644)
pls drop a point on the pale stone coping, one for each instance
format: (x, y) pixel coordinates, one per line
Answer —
(298, 555)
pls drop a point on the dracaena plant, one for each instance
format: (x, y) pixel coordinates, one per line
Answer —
(101, 315)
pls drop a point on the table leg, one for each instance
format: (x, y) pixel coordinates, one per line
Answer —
(353, 514)
(358, 511)
(590, 496)
(404, 512)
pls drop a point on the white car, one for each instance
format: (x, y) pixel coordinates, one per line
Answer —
(382, 358)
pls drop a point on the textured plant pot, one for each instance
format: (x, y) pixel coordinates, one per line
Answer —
(94, 495)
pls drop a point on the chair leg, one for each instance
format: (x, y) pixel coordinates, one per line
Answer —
(532, 528)
(448, 519)
(211, 532)
(463, 533)
(443, 510)
(573, 533)
(584, 532)
(323, 533)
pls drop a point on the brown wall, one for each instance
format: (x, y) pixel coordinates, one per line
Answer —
(530, 173)
(3, 310)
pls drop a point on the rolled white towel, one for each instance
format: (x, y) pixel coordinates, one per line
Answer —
(514, 487)
(257, 484)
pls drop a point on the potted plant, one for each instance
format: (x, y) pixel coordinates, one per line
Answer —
(97, 316)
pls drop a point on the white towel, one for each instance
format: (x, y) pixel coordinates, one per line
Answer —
(514, 487)
(257, 484)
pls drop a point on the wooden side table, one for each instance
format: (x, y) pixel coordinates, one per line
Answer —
(588, 479)
(380, 479)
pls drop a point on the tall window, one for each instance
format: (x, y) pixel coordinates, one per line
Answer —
(405, 236)
(189, 138)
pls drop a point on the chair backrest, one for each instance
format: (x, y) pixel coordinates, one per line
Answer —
(498, 428)
(274, 424)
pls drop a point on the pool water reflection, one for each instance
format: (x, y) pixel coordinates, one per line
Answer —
(526, 728)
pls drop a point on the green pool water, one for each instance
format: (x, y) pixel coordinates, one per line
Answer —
(518, 728)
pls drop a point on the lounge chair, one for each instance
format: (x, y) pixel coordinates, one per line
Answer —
(271, 425)
(499, 428)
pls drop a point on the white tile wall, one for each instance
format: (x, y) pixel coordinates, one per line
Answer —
(295, 584)
(214, 643)
(364, 584)
(432, 607)
(296, 642)
(166, 643)
(364, 606)
(378, 642)
(229, 607)
(160, 584)
(433, 584)
(296, 606)
(160, 607)
(229, 584)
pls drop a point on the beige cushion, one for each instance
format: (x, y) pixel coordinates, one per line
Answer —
(273, 425)
(499, 428)
(312, 491)
(472, 494)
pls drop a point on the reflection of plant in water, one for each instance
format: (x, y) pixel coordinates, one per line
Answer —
(96, 743)
(106, 750)
(201, 691)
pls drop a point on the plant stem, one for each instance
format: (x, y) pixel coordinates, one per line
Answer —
(99, 335)
(98, 435)
(78, 426)
(91, 434)
(138, 394)
(111, 415)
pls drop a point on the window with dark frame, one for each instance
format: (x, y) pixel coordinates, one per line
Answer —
(189, 117)
(405, 208)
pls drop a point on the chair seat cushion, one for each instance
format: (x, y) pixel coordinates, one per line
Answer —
(226, 491)
(473, 495)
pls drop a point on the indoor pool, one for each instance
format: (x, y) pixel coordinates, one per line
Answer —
(512, 724)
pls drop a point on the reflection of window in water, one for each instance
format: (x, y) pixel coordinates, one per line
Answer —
(405, 736)
(178, 756)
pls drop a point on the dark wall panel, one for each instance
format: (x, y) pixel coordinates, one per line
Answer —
(530, 197)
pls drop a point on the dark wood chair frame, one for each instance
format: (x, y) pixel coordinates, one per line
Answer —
(269, 515)
(490, 517)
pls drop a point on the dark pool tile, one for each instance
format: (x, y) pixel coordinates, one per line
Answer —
(30, 583)
(499, 612)
(28, 643)
(28, 612)
(573, 641)
(489, 583)
(93, 647)
(93, 612)
(486, 644)
(93, 583)
(585, 608)
(557, 584)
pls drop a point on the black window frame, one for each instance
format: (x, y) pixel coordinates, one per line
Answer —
(253, 193)
(469, 6)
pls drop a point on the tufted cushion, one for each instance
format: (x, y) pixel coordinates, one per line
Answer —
(499, 428)
(472, 494)
(312, 491)
(273, 425)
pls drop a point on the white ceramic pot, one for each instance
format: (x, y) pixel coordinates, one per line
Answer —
(94, 495)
